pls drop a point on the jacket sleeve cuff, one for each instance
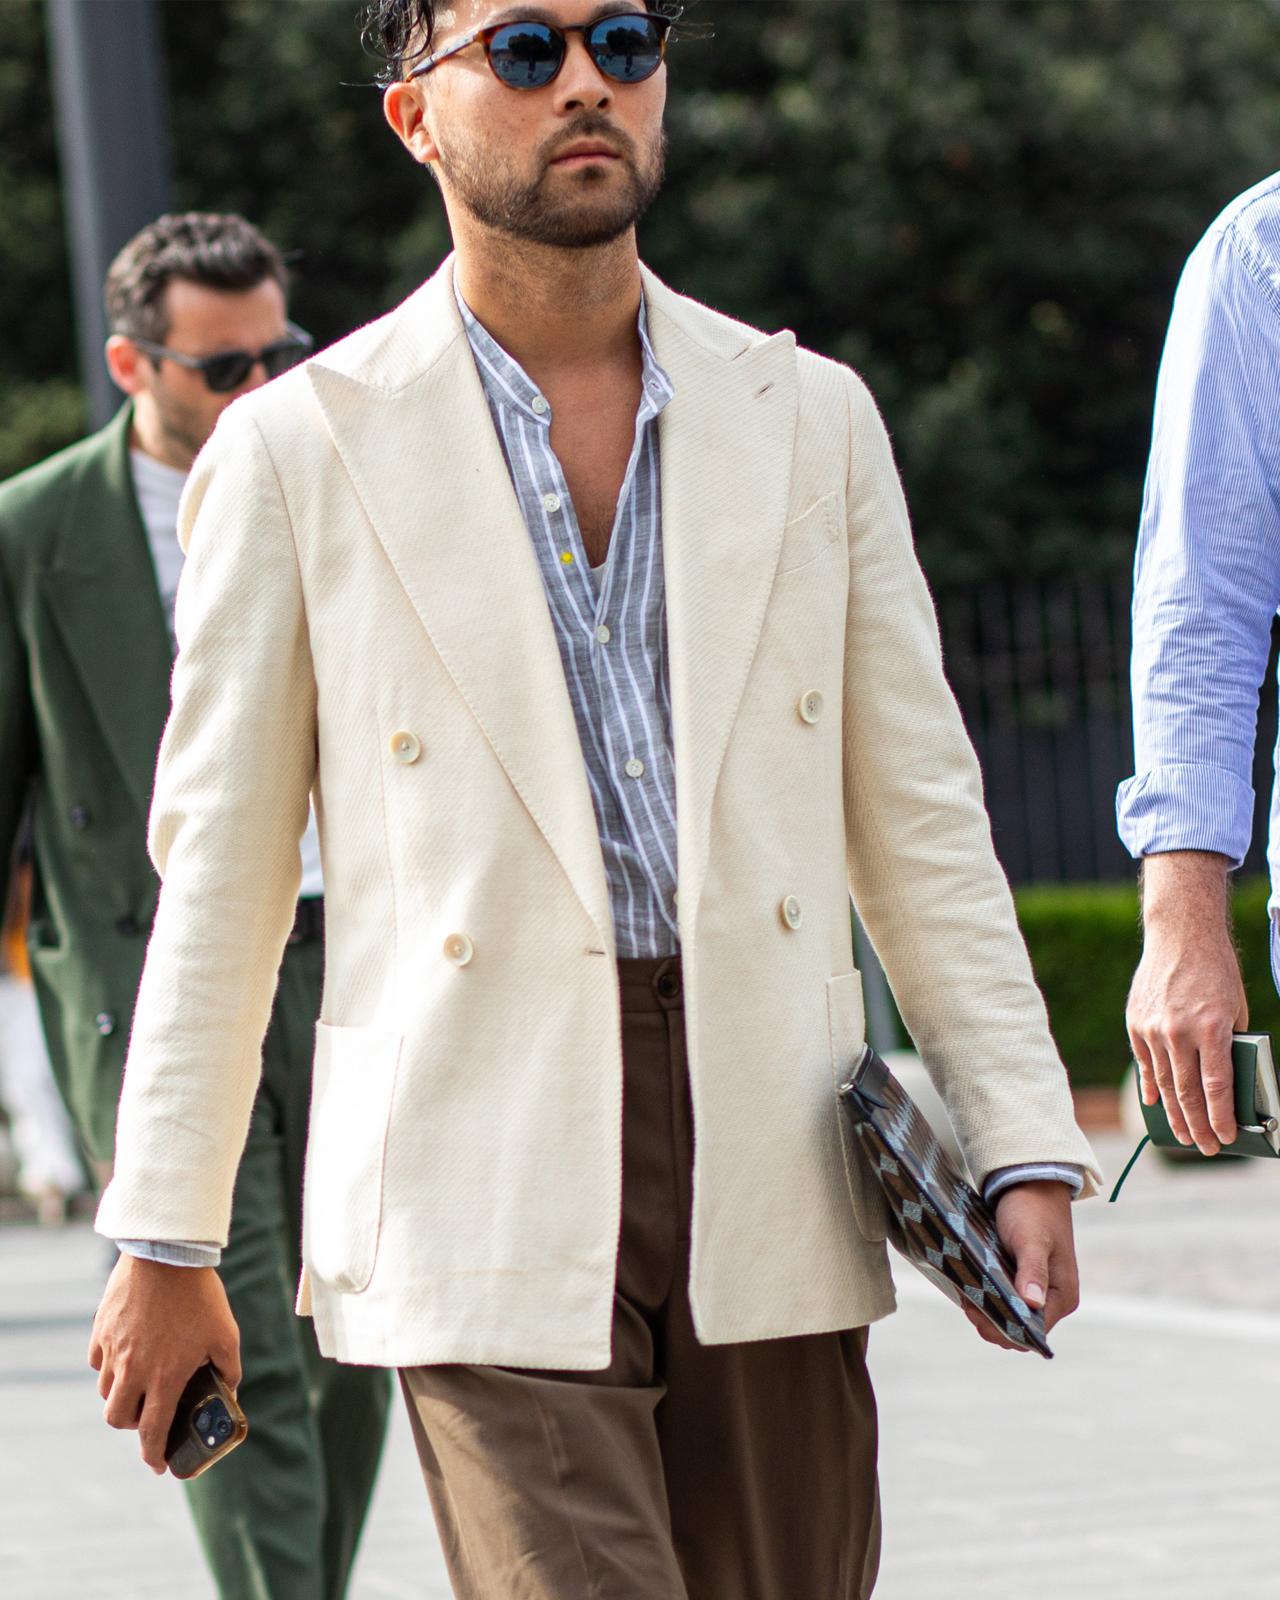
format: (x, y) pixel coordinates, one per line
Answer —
(171, 1253)
(1185, 806)
(1033, 1172)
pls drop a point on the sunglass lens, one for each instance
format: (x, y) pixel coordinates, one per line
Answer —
(526, 55)
(225, 373)
(626, 48)
(278, 358)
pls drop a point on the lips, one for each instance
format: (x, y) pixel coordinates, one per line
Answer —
(586, 152)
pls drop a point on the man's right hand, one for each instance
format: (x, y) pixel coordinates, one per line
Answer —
(1187, 997)
(156, 1325)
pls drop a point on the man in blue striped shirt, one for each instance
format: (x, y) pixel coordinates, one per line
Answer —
(1206, 589)
(599, 577)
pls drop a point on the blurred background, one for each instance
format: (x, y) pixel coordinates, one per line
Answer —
(983, 206)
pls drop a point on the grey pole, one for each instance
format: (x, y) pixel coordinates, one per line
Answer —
(113, 141)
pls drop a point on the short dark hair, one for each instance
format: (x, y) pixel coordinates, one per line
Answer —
(402, 31)
(217, 250)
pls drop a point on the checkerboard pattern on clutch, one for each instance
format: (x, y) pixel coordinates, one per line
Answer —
(938, 1221)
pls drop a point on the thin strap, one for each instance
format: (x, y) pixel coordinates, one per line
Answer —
(1115, 1193)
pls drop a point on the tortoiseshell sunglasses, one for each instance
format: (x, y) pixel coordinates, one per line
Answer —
(627, 47)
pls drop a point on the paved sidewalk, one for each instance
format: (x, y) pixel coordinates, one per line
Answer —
(1138, 1466)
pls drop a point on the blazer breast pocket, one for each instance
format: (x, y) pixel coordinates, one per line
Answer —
(810, 535)
(847, 1024)
(352, 1087)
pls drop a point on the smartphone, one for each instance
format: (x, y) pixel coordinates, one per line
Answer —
(206, 1426)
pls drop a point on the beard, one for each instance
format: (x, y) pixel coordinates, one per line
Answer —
(595, 211)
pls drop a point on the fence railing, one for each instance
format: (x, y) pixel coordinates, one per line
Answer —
(1041, 671)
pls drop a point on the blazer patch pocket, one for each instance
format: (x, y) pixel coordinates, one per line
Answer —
(810, 534)
(847, 1024)
(352, 1087)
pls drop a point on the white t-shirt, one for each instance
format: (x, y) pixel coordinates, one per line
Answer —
(158, 487)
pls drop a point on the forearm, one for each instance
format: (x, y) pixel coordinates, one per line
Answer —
(1185, 898)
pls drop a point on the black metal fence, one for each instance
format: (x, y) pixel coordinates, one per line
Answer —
(1041, 671)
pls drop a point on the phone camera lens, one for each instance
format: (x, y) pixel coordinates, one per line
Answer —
(204, 1419)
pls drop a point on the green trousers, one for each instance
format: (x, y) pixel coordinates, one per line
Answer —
(280, 1518)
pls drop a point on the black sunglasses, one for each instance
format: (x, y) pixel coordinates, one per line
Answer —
(229, 368)
(627, 47)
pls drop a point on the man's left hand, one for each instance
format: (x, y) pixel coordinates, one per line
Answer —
(1034, 1221)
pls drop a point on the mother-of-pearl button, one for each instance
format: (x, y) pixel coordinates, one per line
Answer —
(459, 949)
(811, 706)
(405, 746)
(791, 912)
(635, 768)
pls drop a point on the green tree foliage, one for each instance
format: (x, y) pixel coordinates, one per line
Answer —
(983, 205)
(40, 402)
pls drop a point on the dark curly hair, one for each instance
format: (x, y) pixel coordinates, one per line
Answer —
(219, 250)
(400, 32)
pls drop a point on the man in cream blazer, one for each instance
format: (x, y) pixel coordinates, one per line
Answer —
(580, 1177)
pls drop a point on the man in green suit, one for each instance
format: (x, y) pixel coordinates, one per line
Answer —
(89, 564)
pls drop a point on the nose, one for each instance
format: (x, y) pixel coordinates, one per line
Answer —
(581, 85)
(256, 378)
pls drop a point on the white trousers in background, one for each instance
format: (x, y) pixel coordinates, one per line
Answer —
(38, 1123)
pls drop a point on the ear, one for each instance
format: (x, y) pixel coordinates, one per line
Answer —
(404, 107)
(125, 364)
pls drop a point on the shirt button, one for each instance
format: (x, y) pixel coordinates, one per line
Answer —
(105, 1023)
(540, 406)
(551, 502)
(405, 747)
(603, 635)
(811, 706)
(792, 915)
(459, 949)
(634, 768)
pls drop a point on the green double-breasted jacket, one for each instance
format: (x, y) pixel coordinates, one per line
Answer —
(85, 661)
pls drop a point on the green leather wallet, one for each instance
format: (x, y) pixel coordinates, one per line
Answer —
(1257, 1094)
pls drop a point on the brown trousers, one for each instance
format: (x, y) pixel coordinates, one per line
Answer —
(682, 1471)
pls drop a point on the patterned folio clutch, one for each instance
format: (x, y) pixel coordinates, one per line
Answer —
(937, 1220)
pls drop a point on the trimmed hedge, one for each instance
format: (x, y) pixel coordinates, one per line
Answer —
(1085, 942)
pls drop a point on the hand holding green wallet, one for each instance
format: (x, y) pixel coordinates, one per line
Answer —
(1257, 1099)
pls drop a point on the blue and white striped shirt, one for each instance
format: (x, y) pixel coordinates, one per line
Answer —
(1207, 581)
(611, 627)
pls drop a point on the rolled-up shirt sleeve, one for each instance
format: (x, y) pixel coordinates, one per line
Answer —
(1207, 576)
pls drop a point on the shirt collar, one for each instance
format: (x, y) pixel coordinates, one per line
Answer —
(507, 384)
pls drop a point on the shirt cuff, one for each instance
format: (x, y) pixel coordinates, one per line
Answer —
(171, 1253)
(1185, 806)
(1033, 1172)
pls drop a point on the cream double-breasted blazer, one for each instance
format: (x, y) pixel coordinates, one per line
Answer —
(362, 619)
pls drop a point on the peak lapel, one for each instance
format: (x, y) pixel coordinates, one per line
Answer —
(726, 440)
(101, 589)
(426, 463)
